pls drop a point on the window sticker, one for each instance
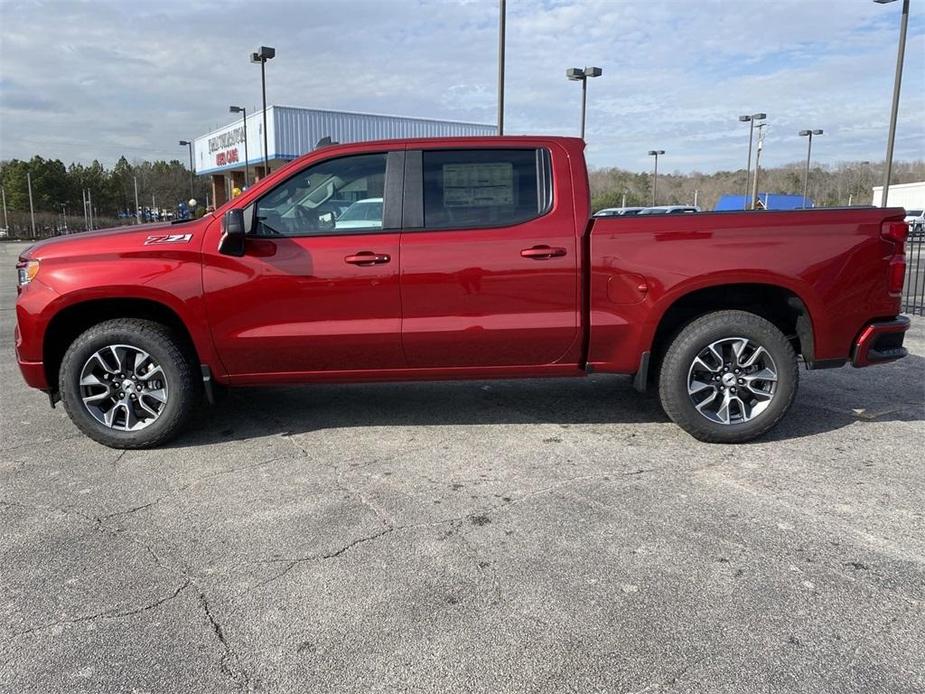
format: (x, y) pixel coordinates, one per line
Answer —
(478, 184)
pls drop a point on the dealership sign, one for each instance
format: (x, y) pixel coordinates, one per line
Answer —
(229, 157)
(224, 146)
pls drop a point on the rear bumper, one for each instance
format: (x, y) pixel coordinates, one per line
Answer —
(880, 342)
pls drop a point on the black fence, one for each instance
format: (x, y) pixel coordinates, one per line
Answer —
(914, 288)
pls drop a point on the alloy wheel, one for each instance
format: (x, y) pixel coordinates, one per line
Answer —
(123, 387)
(732, 381)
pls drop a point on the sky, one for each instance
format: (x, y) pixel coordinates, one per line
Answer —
(100, 79)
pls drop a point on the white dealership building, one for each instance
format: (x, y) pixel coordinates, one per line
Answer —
(233, 156)
(908, 195)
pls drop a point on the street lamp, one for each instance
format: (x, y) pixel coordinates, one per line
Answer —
(897, 81)
(751, 132)
(187, 143)
(655, 153)
(809, 149)
(242, 110)
(577, 74)
(759, 147)
(262, 56)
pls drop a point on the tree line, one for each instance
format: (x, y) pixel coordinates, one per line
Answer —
(846, 183)
(58, 190)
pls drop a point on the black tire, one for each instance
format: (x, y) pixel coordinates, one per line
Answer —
(696, 337)
(164, 347)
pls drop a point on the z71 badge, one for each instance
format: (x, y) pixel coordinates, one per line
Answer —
(168, 238)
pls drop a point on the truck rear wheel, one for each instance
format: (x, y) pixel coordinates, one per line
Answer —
(728, 377)
(128, 383)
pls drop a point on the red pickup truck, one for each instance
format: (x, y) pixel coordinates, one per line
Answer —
(447, 259)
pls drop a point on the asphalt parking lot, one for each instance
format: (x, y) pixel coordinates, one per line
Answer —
(523, 536)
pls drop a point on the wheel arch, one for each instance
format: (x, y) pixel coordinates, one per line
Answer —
(781, 305)
(68, 323)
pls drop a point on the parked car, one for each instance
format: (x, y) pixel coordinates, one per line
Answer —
(916, 221)
(671, 209)
(362, 213)
(483, 264)
(618, 211)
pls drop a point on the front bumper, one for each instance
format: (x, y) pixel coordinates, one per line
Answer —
(880, 342)
(33, 372)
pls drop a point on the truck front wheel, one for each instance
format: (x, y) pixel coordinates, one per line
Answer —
(728, 377)
(128, 383)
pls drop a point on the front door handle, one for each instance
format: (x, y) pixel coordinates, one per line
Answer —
(368, 258)
(542, 252)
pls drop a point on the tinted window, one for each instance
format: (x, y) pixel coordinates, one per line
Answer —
(484, 188)
(311, 201)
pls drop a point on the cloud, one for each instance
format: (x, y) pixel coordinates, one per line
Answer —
(102, 79)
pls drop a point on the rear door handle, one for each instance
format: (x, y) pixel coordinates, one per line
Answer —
(368, 258)
(543, 252)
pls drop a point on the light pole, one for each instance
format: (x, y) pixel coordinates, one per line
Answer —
(6, 221)
(262, 56)
(187, 143)
(748, 166)
(31, 208)
(501, 30)
(577, 74)
(655, 153)
(809, 150)
(897, 81)
(242, 110)
(761, 127)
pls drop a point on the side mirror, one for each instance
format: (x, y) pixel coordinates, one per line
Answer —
(232, 242)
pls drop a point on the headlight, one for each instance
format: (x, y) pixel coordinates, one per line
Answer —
(27, 270)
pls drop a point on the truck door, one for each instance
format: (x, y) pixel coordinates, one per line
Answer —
(317, 287)
(489, 269)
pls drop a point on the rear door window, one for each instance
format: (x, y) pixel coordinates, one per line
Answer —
(484, 187)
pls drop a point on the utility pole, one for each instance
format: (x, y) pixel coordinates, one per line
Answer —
(31, 208)
(501, 31)
(90, 207)
(897, 81)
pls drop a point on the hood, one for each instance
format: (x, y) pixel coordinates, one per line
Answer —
(71, 244)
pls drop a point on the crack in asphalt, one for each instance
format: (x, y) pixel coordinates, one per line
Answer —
(39, 444)
(184, 487)
(108, 614)
(291, 563)
(230, 664)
